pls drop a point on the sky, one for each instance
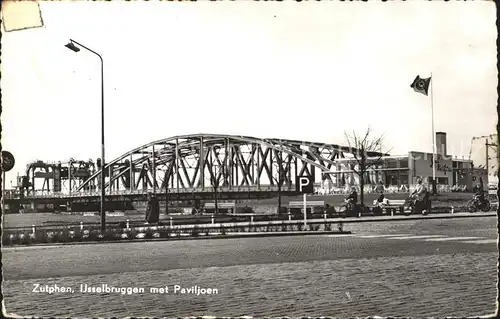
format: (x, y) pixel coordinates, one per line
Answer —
(304, 71)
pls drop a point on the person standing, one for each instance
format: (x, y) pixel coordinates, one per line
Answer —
(148, 208)
(352, 198)
(154, 217)
(153, 209)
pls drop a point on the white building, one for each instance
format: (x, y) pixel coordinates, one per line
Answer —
(403, 170)
(484, 154)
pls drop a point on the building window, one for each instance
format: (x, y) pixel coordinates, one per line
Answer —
(439, 180)
(391, 163)
(403, 178)
(442, 180)
(391, 179)
(403, 163)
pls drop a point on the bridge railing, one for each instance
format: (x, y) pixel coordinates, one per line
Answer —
(238, 189)
(44, 194)
(263, 188)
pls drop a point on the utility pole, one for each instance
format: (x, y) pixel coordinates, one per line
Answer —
(71, 45)
(166, 194)
(487, 157)
(279, 180)
(487, 146)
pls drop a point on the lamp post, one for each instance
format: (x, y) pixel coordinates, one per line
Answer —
(487, 145)
(72, 45)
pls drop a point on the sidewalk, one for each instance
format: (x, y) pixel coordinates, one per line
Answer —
(365, 219)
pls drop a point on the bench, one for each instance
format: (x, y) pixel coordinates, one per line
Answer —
(296, 207)
(396, 202)
(311, 203)
(394, 205)
(221, 205)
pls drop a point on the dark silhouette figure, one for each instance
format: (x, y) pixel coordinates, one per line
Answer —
(153, 210)
(352, 198)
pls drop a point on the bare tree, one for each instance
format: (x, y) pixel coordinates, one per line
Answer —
(367, 152)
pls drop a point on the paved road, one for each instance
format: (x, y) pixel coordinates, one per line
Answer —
(418, 268)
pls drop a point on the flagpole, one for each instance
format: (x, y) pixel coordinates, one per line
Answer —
(434, 157)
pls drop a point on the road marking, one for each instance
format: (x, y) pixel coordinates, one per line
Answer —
(31, 247)
(453, 238)
(481, 241)
(418, 237)
(348, 296)
(382, 236)
(339, 235)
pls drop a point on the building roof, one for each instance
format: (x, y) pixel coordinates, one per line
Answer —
(346, 159)
(455, 159)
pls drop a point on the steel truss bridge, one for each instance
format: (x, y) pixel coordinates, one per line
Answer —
(197, 166)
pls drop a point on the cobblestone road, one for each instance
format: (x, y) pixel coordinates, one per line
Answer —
(417, 268)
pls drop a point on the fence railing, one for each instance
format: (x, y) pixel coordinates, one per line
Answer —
(179, 221)
(238, 189)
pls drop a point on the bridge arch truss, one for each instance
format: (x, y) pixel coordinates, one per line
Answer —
(202, 161)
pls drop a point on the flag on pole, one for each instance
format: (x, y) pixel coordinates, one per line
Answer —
(421, 85)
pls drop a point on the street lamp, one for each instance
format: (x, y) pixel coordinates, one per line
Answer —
(487, 144)
(72, 45)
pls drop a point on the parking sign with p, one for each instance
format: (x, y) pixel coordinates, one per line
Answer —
(304, 185)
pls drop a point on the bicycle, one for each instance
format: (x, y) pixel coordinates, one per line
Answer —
(475, 204)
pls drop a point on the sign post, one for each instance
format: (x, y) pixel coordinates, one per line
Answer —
(7, 164)
(305, 211)
(304, 185)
